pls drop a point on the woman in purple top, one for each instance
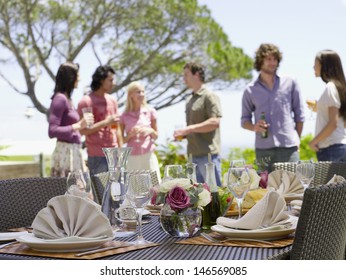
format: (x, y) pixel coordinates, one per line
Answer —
(139, 130)
(64, 123)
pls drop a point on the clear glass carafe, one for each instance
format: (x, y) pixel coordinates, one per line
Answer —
(115, 191)
(190, 168)
(212, 211)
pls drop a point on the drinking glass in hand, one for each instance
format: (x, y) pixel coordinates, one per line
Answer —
(239, 184)
(311, 105)
(305, 172)
(138, 194)
(78, 183)
(88, 116)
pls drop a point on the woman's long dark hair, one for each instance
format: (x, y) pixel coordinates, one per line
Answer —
(332, 71)
(66, 78)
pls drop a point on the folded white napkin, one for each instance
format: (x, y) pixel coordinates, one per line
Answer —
(336, 179)
(285, 182)
(269, 211)
(296, 206)
(69, 215)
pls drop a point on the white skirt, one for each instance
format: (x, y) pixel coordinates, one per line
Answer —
(65, 158)
(147, 161)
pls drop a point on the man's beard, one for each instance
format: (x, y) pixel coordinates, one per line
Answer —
(269, 71)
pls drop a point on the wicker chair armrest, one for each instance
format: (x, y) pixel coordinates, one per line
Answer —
(281, 256)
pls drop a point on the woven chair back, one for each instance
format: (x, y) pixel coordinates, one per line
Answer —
(324, 170)
(21, 199)
(321, 228)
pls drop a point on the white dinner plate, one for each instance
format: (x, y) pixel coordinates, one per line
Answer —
(8, 236)
(265, 234)
(69, 244)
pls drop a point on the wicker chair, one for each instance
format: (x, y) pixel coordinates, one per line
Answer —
(321, 228)
(99, 182)
(21, 199)
(324, 170)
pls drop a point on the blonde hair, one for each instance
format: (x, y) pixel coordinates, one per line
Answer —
(133, 86)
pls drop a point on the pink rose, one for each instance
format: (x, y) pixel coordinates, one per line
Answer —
(155, 192)
(264, 179)
(178, 199)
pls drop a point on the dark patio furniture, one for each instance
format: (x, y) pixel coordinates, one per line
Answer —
(321, 229)
(324, 170)
(21, 199)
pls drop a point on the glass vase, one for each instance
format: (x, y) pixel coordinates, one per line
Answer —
(180, 224)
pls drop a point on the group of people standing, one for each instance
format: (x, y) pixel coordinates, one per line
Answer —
(136, 127)
(279, 98)
(272, 107)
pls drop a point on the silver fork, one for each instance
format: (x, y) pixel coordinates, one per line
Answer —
(215, 240)
(7, 244)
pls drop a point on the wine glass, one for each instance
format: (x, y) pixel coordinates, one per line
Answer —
(137, 130)
(78, 183)
(237, 163)
(239, 184)
(138, 194)
(305, 172)
(173, 171)
(127, 214)
(311, 103)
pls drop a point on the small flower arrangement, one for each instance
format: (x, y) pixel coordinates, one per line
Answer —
(226, 199)
(181, 194)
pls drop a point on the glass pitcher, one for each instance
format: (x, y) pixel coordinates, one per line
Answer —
(115, 191)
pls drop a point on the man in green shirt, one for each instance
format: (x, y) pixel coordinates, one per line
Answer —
(203, 113)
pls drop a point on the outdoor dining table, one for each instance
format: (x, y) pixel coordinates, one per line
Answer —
(170, 250)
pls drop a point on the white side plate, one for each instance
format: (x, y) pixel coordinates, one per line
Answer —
(264, 234)
(62, 245)
(8, 236)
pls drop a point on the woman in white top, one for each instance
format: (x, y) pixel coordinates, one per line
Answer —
(330, 138)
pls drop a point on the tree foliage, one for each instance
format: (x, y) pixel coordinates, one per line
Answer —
(147, 40)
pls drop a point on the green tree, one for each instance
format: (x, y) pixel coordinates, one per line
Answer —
(147, 40)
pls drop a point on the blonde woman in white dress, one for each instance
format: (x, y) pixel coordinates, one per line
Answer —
(138, 124)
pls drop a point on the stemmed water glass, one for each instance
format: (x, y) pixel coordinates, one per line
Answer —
(173, 171)
(237, 163)
(138, 193)
(239, 184)
(78, 183)
(305, 172)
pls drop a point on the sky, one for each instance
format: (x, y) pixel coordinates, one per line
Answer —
(299, 28)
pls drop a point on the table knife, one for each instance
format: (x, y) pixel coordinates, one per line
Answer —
(102, 250)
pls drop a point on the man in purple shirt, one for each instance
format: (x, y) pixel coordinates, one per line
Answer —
(279, 101)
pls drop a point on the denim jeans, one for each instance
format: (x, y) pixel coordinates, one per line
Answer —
(273, 155)
(201, 169)
(97, 165)
(336, 152)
